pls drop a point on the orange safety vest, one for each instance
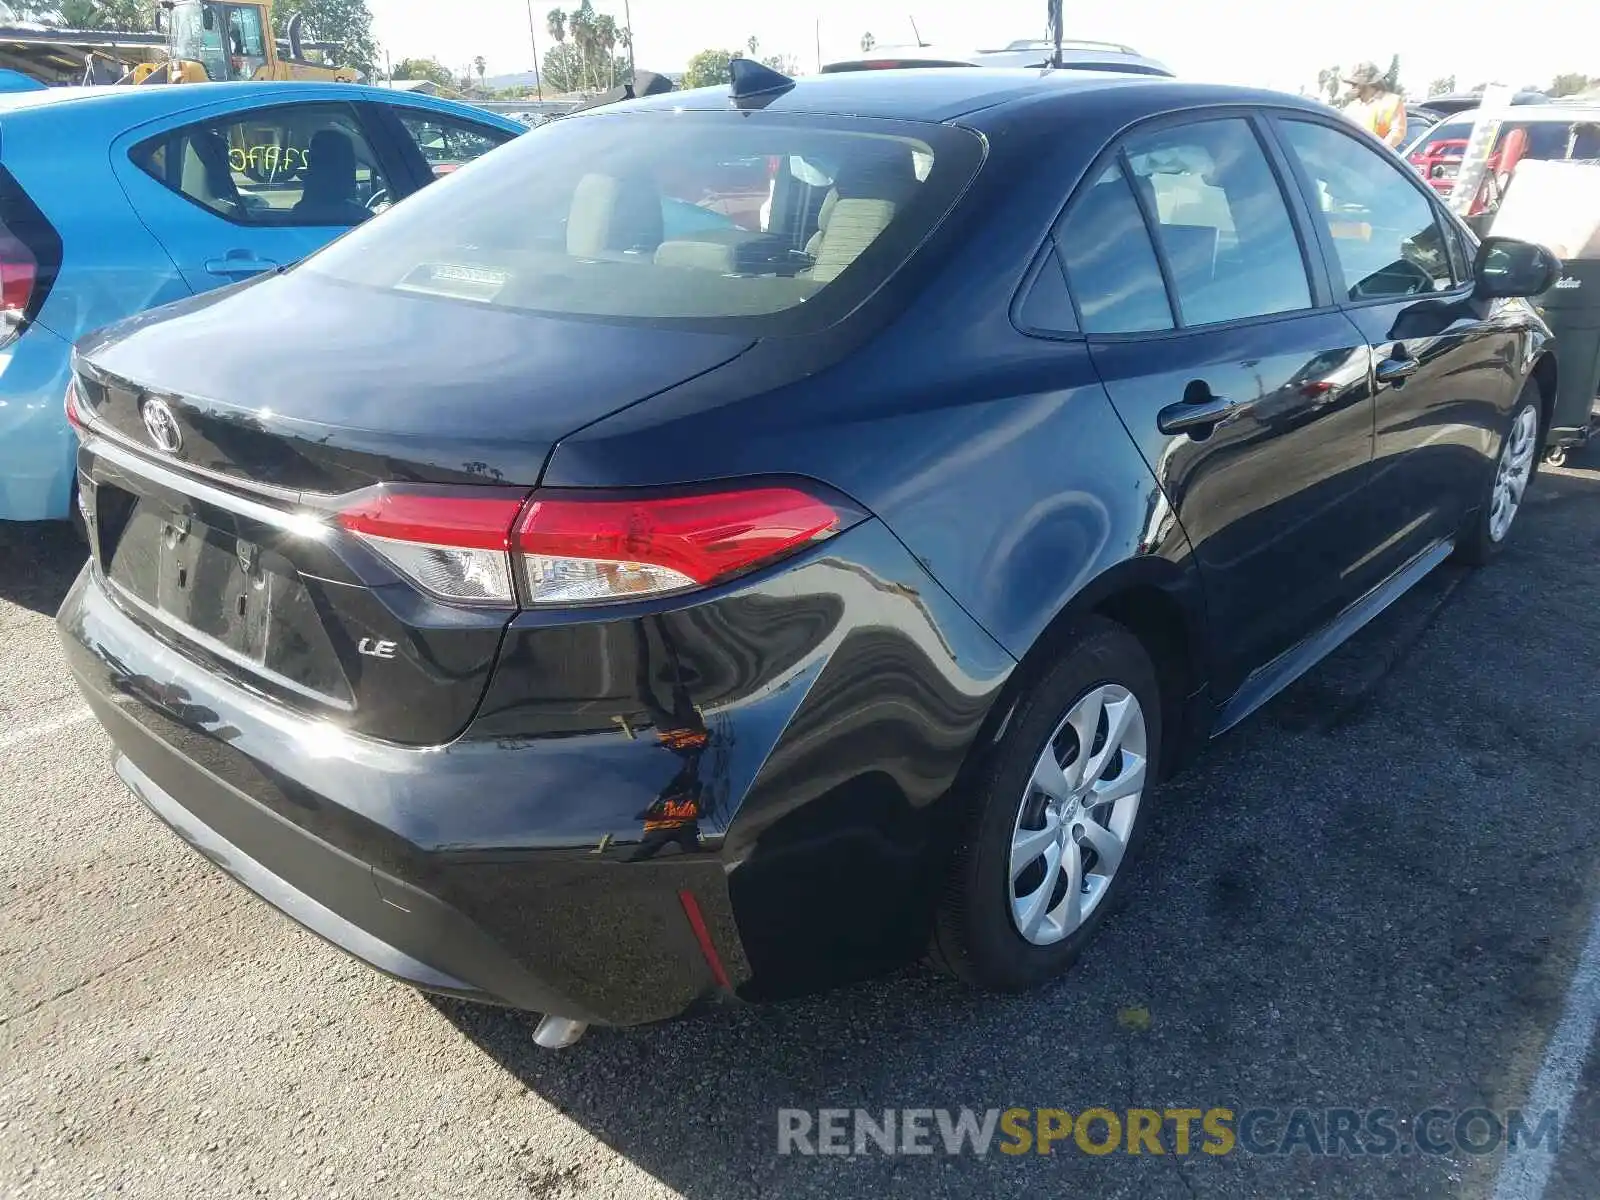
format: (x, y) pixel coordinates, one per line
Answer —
(1383, 115)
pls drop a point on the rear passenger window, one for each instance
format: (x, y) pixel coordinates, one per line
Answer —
(1384, 230)
(300, 164)
(1221, 220)
(1046, 307)
(1111, 265)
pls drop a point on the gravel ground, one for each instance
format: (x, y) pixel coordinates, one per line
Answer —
(1372, 894)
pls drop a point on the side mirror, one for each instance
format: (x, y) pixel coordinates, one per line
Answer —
(1509, 267)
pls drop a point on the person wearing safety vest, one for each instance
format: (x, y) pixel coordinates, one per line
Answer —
(1376, 109)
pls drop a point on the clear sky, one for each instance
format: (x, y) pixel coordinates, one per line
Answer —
(1270, 43)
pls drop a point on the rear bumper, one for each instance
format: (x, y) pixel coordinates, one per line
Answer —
(37, 448)
(526, 863)
(346, 883)
(301, 817)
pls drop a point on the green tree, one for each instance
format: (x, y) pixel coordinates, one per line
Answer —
(345, 22)
(1391, 78)
(430, 69)
(583, 27)
(121, 15)
(1571, 84)
(1329, 81)
(1442, 86)
(478, 65)
(606, 36)
(708, 68)
(562, 69)
(868, 42)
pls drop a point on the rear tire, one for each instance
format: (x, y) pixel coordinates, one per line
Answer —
(1008, 921)
(1516, 463)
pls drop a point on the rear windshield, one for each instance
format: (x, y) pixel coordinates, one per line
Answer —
(706, 219)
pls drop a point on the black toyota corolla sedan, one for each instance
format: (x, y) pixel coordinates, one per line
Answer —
(741, 539)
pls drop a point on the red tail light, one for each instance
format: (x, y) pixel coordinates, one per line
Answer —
(30, 254)
(581, 551)
(19, 271)
(490, 545)
(76, 417)
(454, 543)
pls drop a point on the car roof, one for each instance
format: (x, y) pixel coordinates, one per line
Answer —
(135, 104)
(944, 94)
(1023, 53)
(1560, 112)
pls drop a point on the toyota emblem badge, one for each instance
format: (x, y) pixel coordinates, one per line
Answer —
(162, 426)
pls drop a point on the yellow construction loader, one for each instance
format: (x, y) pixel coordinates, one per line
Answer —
(210, 40)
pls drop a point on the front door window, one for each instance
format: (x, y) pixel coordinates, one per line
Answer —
(197, 37)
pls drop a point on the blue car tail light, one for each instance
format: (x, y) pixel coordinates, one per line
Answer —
(30, 256)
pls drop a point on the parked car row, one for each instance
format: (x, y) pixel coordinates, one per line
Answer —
(116, 200)
(1546, 131)
(553, 599)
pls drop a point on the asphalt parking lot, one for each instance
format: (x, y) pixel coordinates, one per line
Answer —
(1374, 894)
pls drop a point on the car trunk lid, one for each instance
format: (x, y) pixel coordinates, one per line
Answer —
(243, 504)
(311, 385)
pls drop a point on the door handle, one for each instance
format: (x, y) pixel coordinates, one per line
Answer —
(239, 262)
(1396, 370)
(1192, 416)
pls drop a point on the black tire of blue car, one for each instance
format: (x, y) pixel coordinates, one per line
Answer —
(1476, 544)
(975, 936)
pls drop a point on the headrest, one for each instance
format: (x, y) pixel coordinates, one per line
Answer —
(331, 151)
(701, 256)
(887, 172)
(610, 215)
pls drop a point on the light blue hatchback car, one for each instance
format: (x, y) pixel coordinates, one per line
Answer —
(117, 199)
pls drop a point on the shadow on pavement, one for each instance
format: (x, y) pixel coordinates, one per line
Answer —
(38, 562)
(1341, 905)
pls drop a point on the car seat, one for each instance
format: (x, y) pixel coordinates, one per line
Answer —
(866, 195)
(329, 193)
(611, 217)
(205, 174)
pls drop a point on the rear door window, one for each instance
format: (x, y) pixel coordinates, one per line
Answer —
(1111, 265)
(1221, 221)
(677, 217)
(291, 165)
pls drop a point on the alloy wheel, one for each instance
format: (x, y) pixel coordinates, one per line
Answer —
(1513, 471)
(1077, 814)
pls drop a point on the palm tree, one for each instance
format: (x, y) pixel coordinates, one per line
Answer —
(867, 42)
(556, 22)
(606, 34)
(753, 44)
(478, 65)
(581, 25)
